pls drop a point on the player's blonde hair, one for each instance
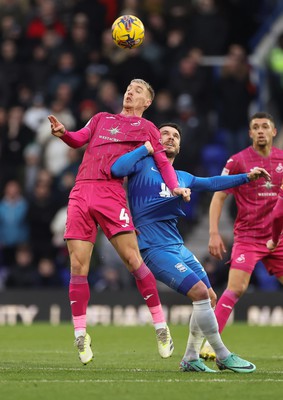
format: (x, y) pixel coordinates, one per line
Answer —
(147, 85)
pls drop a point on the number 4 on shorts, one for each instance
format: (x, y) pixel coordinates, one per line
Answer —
(124, 217)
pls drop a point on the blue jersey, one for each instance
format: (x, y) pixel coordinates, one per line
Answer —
(154, 209)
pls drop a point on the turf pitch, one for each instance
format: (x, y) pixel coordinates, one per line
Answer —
(40, 362)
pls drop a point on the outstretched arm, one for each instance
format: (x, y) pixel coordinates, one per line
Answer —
(73, 139)
(222, 182)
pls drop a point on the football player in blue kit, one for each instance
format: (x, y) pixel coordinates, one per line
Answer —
(155, 212)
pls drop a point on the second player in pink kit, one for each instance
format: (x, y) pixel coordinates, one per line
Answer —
(255, 202)
(98, 199)
(253, 224)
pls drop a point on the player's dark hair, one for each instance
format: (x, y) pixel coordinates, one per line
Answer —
(260, 115)
(173, 125)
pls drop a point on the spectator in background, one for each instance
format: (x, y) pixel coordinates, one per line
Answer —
(111, 55)
(108, 97)
(65, 73)
(87, 108)
(14, 141)
(22, 272)
(132, 7)
(36, 113)
(93, 77)
(32, 157)
(42, 207)
(10, 28)
(208, 28)
(11, 72)
(3, 133)
(58, 225)
(38, 68)
(110, 273)
(152, 52)
(163, 108)
(130, 67)
(190, 77)
(47, 273)
(195, 134)
(175, 47)
(46, 18)
(52, 43)
(65, 95)
(17, 9)
(54, 152)
(74, 158)
(14, 229)
(235, 92)
(24, 96)
(78, 40)
(98, 12)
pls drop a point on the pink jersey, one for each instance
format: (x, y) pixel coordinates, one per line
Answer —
(108, 136)
(256, 200)
(277, 217)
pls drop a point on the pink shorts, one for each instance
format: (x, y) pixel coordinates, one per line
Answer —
(96, 203)
(246, 255)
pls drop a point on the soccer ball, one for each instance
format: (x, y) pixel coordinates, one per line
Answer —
(128, 32)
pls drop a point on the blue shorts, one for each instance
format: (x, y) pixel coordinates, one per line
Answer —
(176, 267)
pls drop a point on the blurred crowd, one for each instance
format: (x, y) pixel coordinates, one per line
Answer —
(57, 57)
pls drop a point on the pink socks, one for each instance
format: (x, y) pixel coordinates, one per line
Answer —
(224, 308)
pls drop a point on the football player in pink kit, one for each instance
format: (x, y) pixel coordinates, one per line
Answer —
(253, 224)
(100, 199)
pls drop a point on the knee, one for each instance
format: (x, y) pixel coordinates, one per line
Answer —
(78, 267)
(238, 289)
(198, 292)
(132, 259)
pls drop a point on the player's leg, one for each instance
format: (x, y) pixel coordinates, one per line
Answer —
(198, 329)
(204, 320)
(243, 260)
(81, 231)
(204, 324)
(231, 362)
(172, 267)
(127, 247)
(238, 283)
(273, 262)
(79, 294)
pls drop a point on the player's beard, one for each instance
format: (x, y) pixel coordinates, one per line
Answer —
(171, 154)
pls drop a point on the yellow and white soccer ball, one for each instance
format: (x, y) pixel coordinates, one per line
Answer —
(128, 32)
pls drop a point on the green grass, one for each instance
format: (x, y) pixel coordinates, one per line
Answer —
(39, 362)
